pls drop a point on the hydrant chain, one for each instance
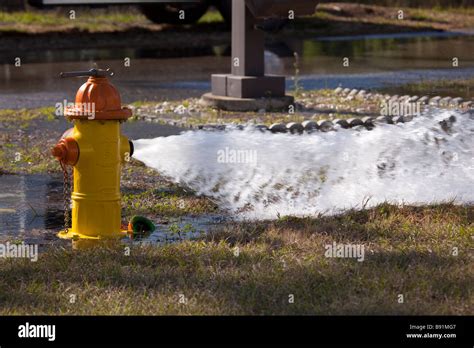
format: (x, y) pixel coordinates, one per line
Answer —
(66, 195)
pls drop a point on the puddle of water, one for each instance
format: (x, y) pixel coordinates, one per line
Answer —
(31, 210)
(30, 202)
(386, 80)
(183, 228)
(375, 61)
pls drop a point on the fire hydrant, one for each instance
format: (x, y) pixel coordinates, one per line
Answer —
(96, 149)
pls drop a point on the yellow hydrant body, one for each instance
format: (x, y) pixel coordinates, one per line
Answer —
(96, 149)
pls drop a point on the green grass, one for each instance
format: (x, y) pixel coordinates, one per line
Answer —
(28, 18)
(23, 147)
(211, 17)
(253, 268)
(85, 19)
(173, 202)
(438, 4)
(459, 87)
(16, 115)
(378, 19)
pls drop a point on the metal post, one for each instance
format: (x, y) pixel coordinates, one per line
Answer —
(248, 49)
(247, 87)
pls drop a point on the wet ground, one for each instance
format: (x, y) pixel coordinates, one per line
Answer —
(29, 204)
(377, 61)
(31, 210)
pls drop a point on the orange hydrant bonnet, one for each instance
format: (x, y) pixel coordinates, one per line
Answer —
(97, 99)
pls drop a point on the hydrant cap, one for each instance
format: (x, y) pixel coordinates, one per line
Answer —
(98, 99)
(66, 151)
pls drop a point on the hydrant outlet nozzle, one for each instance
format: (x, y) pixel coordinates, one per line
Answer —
(58, 152)
(66, 151)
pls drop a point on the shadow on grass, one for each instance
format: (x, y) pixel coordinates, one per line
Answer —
(218, 282)
(385, 221)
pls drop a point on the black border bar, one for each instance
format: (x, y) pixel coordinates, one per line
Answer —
(332, 330)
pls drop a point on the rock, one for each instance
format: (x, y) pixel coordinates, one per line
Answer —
(309, 125)
(325, 125)
(353, 93)
(467, 105)
(361, 94)
(338, 90)
(435, 100)
(377, 96)
(404, 97)
(424, 99)
(456, 101)
(295, 127)
(180, 110)
(398, 119)
(445, 101)
(447, 124)
(278, 128)
(212, 127)
(261, 127)
(407, 118)
(345, 91)
(381, 119)
(341, 122)
(394, 97)
(355, 122)
(368, 121)
(413, 99)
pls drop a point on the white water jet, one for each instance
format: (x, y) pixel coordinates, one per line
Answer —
(259, 175)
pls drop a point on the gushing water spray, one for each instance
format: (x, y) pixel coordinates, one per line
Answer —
(262, 175)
